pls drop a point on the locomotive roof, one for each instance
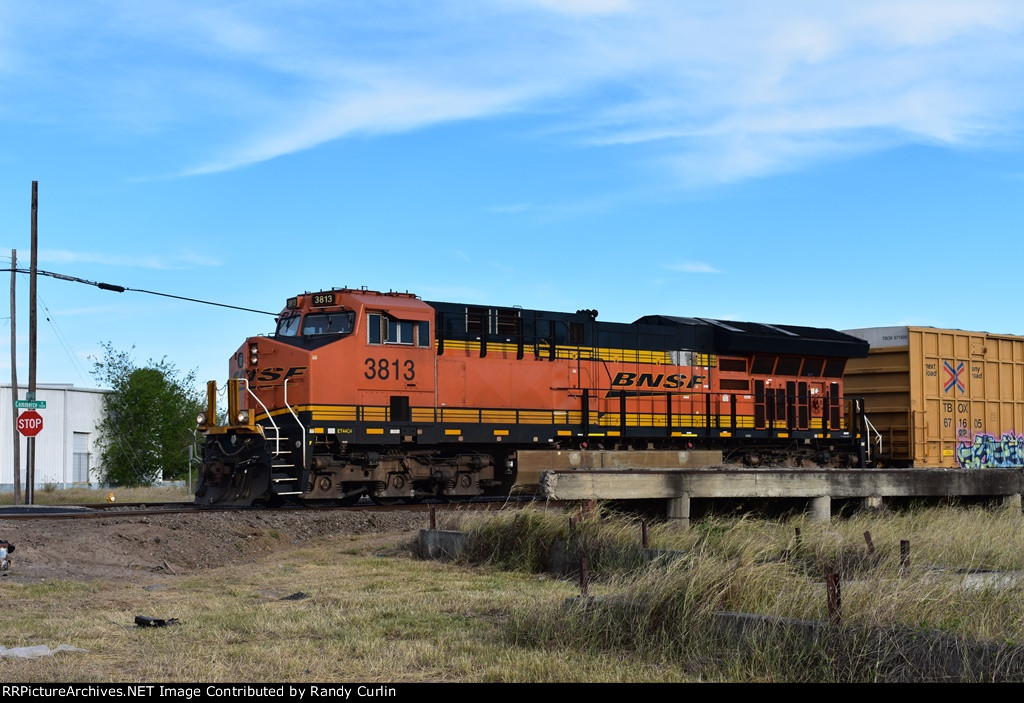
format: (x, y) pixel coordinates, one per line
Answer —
(705, 334)
(746, 337)
(392, 301)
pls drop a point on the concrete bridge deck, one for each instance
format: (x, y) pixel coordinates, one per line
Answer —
(678, 486)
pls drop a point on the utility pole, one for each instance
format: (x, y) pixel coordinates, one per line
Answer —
(16, 436)
(30, 473)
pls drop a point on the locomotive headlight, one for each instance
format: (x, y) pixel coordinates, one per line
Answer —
(243, 417)
(253, 354)
(201, 419)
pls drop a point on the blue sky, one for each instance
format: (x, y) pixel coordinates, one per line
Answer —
(842, 164)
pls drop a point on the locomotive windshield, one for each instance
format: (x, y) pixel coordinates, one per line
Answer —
(288, 326)
(328, 323)
(316, 323)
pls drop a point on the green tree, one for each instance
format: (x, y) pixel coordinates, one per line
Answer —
(148, 418)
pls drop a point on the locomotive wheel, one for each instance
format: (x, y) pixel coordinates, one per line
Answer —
(395, 483)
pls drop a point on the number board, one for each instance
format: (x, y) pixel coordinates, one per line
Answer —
(323, 299)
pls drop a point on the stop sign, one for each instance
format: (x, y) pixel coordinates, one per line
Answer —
(30, 423)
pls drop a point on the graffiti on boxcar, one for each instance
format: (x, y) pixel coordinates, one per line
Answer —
(988, 452)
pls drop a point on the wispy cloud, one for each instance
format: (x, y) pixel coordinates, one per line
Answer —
(514, 208)
(170, 261)
(593, 203)
(719, 92)
(692, 267)
(582, 7)
(391, 107)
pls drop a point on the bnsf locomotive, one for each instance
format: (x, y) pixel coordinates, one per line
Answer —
(386, 395)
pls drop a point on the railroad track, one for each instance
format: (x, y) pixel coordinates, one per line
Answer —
(107, 510)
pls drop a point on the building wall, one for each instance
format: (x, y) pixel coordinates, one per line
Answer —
(69, 411)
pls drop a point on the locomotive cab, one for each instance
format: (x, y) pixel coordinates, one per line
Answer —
(333, 391)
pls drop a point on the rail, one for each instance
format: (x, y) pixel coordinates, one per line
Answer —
(132, 510)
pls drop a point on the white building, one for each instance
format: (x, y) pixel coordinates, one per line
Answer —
(66, 449)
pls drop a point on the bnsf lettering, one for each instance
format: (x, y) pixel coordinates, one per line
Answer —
(648, 380)
(275, 373)
(625, 379)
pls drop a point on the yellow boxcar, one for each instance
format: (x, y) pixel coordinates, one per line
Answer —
(942, 398)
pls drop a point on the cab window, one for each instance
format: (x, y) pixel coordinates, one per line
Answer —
(288, 326)
(327, 323)
(383, 329)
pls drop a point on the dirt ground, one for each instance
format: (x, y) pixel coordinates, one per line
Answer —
(143, 548)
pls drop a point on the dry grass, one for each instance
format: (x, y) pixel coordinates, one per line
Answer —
(369, 616)
(666, 612)
(50, 495)
(522, 539)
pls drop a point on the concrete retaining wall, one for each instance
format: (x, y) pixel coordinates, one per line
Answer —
(891, 654)
(563, 557)
(441, 544)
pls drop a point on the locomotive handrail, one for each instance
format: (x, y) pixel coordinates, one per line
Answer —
(277, 431)
(297, 421)
(871, 428)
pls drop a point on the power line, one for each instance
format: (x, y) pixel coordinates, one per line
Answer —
(121, 289)
(64, 343)
(118, 441)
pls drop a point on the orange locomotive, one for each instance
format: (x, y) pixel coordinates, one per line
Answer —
(383, 394)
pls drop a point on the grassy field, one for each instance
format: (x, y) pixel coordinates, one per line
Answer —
(361, 617)
(344, 610)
